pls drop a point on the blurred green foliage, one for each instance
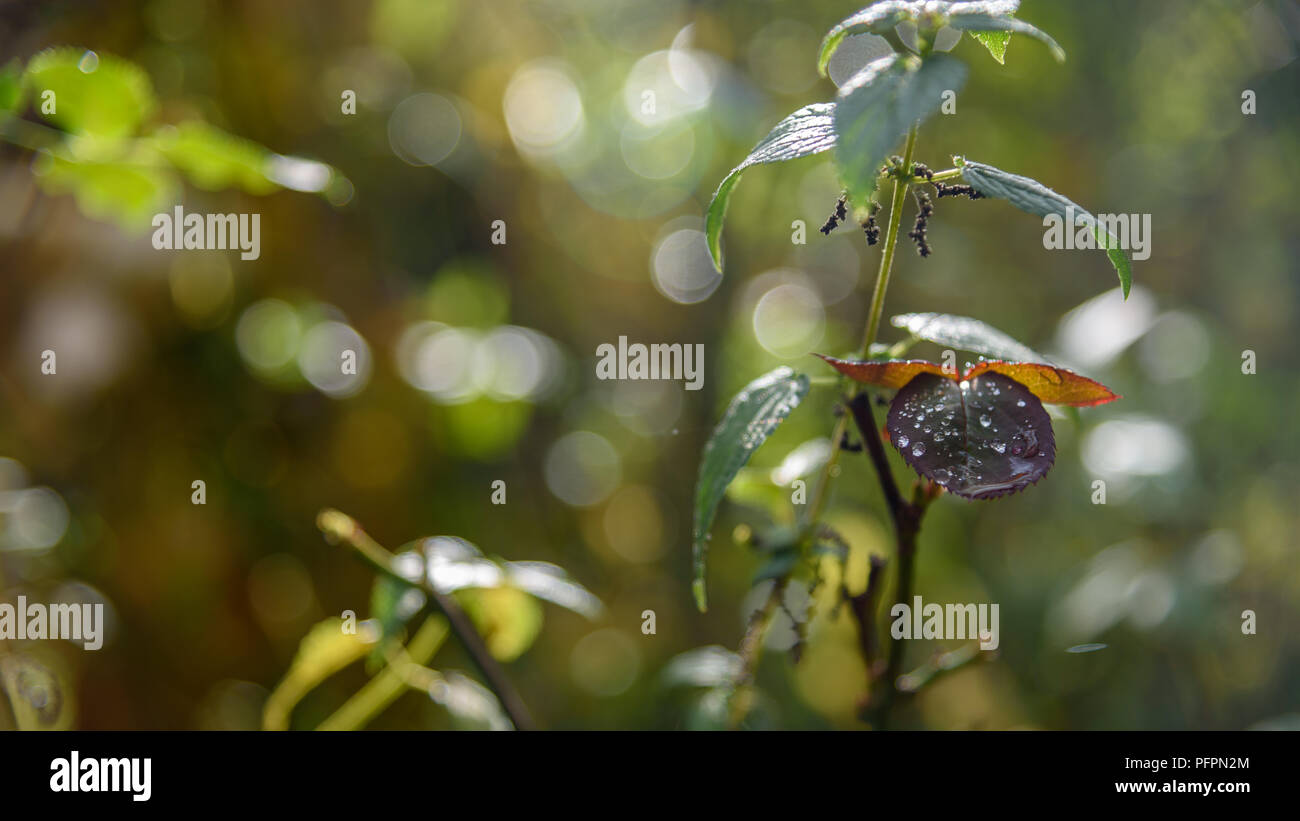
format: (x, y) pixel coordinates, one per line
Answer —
(538, 117)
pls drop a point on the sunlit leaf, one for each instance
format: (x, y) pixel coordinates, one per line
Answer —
(712, 666)
(1047, 382)
(1050, 384)
(471, 705)
(931, 15)
(452, 564)
(966, 334)
(980, 438)
(876, 108)
(325, 650)
(213, 159)
(751, 417)
(99, 95)
(805, 132)
(127, 192)
(890, 374)
(991, 24)
(1034, 197)
(878, 18)
(995, 41)
(551, 583)
(508, 619)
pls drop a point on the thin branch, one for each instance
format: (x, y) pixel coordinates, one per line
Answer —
(941, 664)
(863, 607)
(340, 527)
(864, 416)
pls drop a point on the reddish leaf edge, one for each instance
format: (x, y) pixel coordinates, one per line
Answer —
(852, 368)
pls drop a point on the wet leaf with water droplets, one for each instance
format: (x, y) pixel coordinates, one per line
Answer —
(960, 451)
(751, 417)
(966, 334)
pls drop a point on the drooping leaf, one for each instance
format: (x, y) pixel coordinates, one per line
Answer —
(878, 18)
(213, 159)
(806, 132)
(1034, 197)
(1049, 384)
(975, 22)
(751, 417)
(966, 334)
(995, 41)
(876, 108)
(980, 438)
(551, 583)
(94, 94)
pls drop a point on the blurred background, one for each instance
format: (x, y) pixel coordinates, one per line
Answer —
(596, 131)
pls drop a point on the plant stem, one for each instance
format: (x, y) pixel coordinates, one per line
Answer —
(752, 642)
(388, 683)
(891, 241)
(341, 527)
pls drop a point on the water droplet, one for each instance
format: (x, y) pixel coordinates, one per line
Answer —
(918, 449)
(1020, 403)
(902, 441)
(985, 421)
(1000, 447)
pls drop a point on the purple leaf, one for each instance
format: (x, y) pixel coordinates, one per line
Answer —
(981, 438)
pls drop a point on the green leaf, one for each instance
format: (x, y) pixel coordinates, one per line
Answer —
(711, 666)
(995, 41)
(750, 419)
(993, 23)
(1035, 198)
(391, 604)
(325, 650)
(213, 159)
(878, 18)
(806, 132)
(878, 105)
(508, 619)
(97, 95)
(471, 705)
(12, 90)
(928, 15)
(454, 564)
(966, 334)
(127, 191)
